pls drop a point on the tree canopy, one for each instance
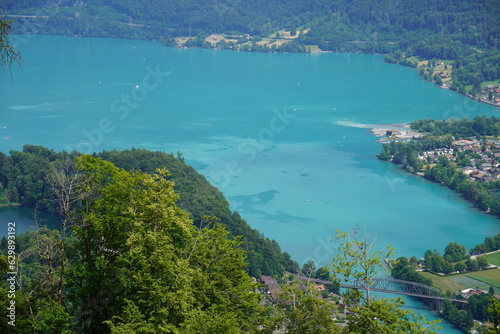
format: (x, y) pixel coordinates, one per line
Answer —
(25, 179)
(137, 263)
(358, 260)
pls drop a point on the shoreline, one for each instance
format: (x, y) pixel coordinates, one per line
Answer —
(381, 130)
(178, 46)
(394, 132)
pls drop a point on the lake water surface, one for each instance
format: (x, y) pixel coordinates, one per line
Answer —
(284, 136)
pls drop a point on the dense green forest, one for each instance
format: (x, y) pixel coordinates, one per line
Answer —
(133, 263)
(463, 32)
(128, 259)
(25, 178)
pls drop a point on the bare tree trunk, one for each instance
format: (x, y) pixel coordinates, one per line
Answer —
(64, 186)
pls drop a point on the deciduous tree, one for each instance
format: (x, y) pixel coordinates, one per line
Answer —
(389, 317)
(358, 259)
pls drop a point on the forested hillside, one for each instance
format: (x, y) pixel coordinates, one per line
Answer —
(128, 260)
(25, 178)
(133, 262)
(465, 33)
(335, 24)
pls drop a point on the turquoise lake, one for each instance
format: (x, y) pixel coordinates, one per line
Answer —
(285, 137)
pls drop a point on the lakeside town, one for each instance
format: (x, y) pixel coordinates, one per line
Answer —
(441, 73)
(478, 158)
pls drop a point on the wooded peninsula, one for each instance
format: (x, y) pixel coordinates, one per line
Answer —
(460, 154)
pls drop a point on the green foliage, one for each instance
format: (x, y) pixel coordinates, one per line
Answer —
(494, 311)
(458, 31)
(38, 303)
(434, 261)
(358, 260)
(388, 316)
(462, 319)
(301, 310)
(132, 234)
(490, 244)
(52, 319)
(476, 68)
(454, 252)
(27, 178)
(308, 269)
(482, 262)
(199, 198)
(403, 270)
(478, 305)
(479, 126)
(135, 262)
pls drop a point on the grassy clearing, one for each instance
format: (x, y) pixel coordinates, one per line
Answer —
(414, 59)
(264, 41)
(491, 277)
(444, 283)
(285, 34)
(278, 42)
(469, 282)
(485, 84)
(482, 279)
(313, 48)
(478, 279)
(428, 166)
(214, 39)
(494, 258)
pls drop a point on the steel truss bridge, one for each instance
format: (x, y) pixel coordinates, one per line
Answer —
(395, 286)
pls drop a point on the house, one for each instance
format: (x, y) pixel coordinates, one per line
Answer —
(470, 292)
(467, 170)
(485, 166)
(393, 133)
(272, 285)
(478, 176)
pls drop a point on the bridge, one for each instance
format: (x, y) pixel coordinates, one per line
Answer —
(395, 286)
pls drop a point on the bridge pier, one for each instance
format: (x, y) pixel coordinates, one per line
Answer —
(437, 305)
